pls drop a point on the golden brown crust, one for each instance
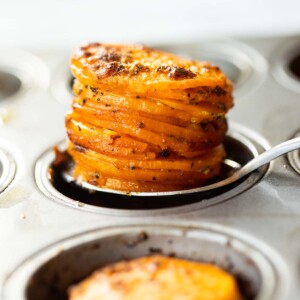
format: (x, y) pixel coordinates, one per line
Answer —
(138, 68)
(159, 278)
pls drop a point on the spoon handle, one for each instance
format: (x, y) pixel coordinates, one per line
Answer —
(269, 155)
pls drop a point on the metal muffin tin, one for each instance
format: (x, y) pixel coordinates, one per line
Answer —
(48, 273)
(263, 207)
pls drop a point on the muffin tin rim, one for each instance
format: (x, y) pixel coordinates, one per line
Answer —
(9, 168)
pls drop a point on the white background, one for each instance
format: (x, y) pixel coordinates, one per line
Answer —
(38, 23)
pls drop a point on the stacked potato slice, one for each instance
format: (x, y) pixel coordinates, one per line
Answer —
(145, 120)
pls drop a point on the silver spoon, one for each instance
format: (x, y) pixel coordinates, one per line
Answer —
(254, 164)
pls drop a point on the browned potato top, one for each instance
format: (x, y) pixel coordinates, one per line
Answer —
(136, 67)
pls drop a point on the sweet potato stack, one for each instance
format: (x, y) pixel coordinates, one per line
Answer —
(144, 120)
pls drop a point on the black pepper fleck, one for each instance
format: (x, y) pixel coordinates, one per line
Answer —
(141, 125)
(94, 90)
(165, 153)
(176, 73)
(219, 91)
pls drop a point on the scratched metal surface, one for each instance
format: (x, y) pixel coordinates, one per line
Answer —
(32, 120)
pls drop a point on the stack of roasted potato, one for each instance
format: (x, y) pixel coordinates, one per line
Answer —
(144, 120)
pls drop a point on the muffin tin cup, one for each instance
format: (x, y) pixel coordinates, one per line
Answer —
(48, 274)
(282, 61)
(241, 144)
(19, 72)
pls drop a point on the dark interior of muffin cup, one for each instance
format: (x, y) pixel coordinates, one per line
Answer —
(9, 84)
(53, 279)
(293, 64)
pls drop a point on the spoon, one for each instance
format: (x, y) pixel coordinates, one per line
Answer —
(254, 164)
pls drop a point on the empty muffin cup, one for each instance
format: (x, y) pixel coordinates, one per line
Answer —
(286, 65)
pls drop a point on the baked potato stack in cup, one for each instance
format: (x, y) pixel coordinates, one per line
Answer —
(159, 278)
(143, 120)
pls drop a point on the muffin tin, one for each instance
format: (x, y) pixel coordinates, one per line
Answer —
(47, 275)
(265, 206)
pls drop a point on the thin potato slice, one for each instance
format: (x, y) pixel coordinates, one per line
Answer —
(199, 164)
(108, 170)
